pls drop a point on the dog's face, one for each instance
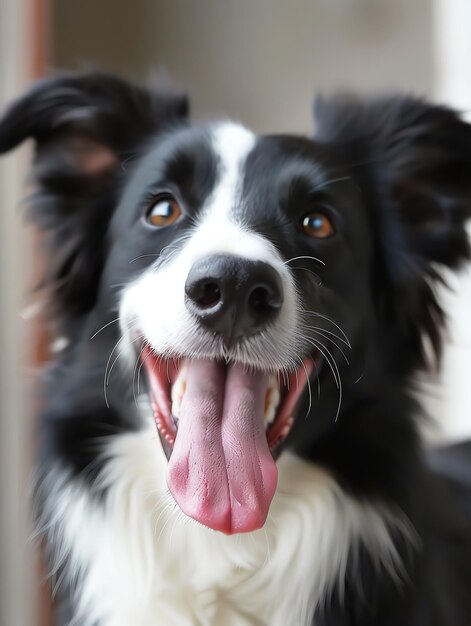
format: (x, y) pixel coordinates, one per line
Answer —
(237, 303)
(259, 277)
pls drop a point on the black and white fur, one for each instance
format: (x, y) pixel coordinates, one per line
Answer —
(361, 530)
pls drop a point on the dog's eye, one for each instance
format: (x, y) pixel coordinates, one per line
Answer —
(317, 225)
(164, 212)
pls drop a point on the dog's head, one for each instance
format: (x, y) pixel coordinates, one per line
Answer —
(256, 278)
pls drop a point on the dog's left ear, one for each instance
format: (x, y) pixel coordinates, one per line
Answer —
(87, 129)
(413, 162)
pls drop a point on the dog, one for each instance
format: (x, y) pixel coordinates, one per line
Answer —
(230, 433)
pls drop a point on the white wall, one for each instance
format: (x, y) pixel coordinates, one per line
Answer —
(16, 562)
(449, 395)
(256, 60)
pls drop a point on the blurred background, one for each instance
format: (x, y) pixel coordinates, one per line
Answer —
(260, 62)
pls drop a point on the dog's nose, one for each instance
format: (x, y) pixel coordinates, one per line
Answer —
(233, 296)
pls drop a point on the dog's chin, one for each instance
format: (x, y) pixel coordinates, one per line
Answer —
(222, 425)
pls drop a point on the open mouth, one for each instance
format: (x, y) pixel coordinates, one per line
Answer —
(221, 427)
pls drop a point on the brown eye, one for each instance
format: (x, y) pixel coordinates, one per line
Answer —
(318, 225)
(164, 212)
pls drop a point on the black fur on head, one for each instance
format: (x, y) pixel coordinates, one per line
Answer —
(413, 160)
(87, 129)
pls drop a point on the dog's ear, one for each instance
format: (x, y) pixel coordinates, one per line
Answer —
(413, 161)
(87, 127)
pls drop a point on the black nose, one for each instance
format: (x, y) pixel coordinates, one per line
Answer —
(233, 296)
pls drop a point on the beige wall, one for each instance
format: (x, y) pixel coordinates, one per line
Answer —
(259, 61)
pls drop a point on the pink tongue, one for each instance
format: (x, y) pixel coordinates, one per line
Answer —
(221, 472)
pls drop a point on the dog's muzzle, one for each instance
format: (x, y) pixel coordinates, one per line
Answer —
(223, 422)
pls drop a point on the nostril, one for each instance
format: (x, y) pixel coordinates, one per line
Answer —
(209, 295)
(262, 300)
(259, 299)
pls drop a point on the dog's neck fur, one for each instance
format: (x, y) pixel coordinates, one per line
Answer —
(141, 561)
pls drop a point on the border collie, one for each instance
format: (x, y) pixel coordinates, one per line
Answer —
(230, 434)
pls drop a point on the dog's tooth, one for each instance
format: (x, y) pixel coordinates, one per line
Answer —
(270, 413)
(273, 382)
(182, 371)
(178, 388)
(177, 393)
(274, 397)
(176, 405)
(272, 401)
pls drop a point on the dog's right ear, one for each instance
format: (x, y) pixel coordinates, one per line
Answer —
(86, 126)
(412, 161)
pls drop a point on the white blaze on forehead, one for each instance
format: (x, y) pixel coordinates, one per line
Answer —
(219, 231)
(232, 144)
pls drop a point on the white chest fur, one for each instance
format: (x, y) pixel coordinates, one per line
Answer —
(140, 561)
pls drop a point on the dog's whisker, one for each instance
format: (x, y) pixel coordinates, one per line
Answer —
(107, 373)
(328, 332)
(140, 369)
(120, 353)
(332, 365)
(309, 389)
(284, 373)
(173, 247)
(105, 381)
(328, 319)
(136, 366)
(296, 258)
(322, 334)
(316, 343)
(359, 377)
(318, 380)
(305, 269)
(103, 327)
